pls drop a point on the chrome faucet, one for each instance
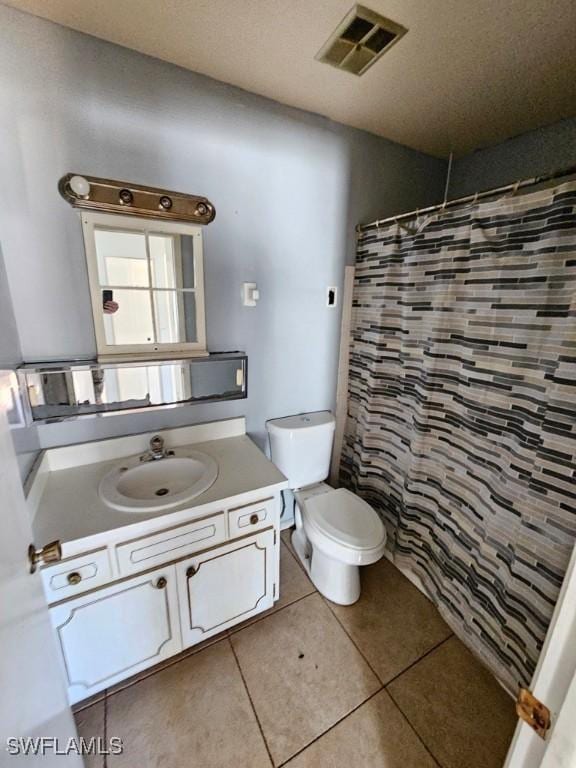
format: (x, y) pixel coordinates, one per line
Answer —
(156, 451)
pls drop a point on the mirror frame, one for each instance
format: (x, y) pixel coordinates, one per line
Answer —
(159, 350)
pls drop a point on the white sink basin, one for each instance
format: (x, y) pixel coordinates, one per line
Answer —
(152, 486)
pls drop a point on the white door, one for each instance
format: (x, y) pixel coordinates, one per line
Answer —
(110, 634)
(554, 684)
(224, 586)
(33, 701)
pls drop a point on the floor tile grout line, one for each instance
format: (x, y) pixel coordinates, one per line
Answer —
(287, 547)
(81, 706)
(328, 603)
(331, 727)
(257, 619)
(295, 556)
(170, 662)
(413, 729)
(412, 664)
(232, 631)
(349, 636)
(192, 652)
(383, 686)
(227, 636)
(418, 660)
(272, 763)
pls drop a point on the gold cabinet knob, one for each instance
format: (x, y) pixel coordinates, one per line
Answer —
(254, 519)
(190, 571)
(74, 578)
(51, 553)
(161, 583)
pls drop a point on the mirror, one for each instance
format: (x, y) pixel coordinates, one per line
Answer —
(56, 391)
(147, 289)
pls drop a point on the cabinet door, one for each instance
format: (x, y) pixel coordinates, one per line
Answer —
(226, 585)
(112, 633)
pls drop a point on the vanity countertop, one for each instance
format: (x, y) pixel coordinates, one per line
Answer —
(69, 508)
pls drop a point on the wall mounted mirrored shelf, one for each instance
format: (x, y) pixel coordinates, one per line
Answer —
(82, 389)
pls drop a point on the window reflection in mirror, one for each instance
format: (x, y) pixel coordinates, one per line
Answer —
(11, 400)
(146, 284)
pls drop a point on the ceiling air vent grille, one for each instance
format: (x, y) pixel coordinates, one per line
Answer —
(360, 40)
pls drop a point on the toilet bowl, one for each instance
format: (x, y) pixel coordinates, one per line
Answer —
(336, 533)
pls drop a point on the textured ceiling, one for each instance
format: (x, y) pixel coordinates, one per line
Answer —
(468, 74)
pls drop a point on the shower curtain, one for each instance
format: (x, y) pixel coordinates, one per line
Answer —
(462, 410)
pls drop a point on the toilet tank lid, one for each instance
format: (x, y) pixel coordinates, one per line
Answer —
(301, 421)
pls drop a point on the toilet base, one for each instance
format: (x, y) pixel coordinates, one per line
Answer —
(337, 581)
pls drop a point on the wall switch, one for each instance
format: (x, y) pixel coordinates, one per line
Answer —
(250, 294)
(331, 296)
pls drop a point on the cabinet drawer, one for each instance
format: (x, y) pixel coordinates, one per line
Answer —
(252, 517)
(149, 551)
(77, 575)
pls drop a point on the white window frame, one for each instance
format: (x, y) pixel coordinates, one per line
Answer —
(92, 220)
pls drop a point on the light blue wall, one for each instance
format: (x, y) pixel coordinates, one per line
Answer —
(288, 187)
(536, 153)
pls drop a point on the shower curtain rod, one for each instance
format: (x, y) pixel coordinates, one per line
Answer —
(468, 199)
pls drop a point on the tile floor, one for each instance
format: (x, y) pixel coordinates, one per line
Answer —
(308, 684)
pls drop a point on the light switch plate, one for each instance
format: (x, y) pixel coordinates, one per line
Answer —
(250, 294)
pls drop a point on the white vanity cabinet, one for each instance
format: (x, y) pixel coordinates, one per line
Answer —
(226, 585)
(109, 634)
(144, 597)
(134, 588)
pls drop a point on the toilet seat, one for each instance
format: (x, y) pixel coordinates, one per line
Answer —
(343, 526)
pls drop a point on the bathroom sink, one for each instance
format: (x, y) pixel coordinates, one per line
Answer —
(151, 486)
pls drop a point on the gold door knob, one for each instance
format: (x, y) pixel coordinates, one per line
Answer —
(51, 553)
(190, 572)
(161, 583)
(254, 519)
(74, 578)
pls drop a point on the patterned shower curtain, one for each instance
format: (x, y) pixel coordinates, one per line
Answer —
(462, 411)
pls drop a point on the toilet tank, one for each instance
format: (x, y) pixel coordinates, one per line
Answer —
(301, 446)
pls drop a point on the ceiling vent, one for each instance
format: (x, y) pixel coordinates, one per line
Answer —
(360, 40)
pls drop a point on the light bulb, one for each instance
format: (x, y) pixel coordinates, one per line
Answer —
(80, 186)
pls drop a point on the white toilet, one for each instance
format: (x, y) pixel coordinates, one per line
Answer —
(336, 531)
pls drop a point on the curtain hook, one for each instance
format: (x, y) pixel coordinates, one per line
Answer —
(516, 187)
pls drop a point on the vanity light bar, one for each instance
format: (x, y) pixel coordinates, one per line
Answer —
(95, 194)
